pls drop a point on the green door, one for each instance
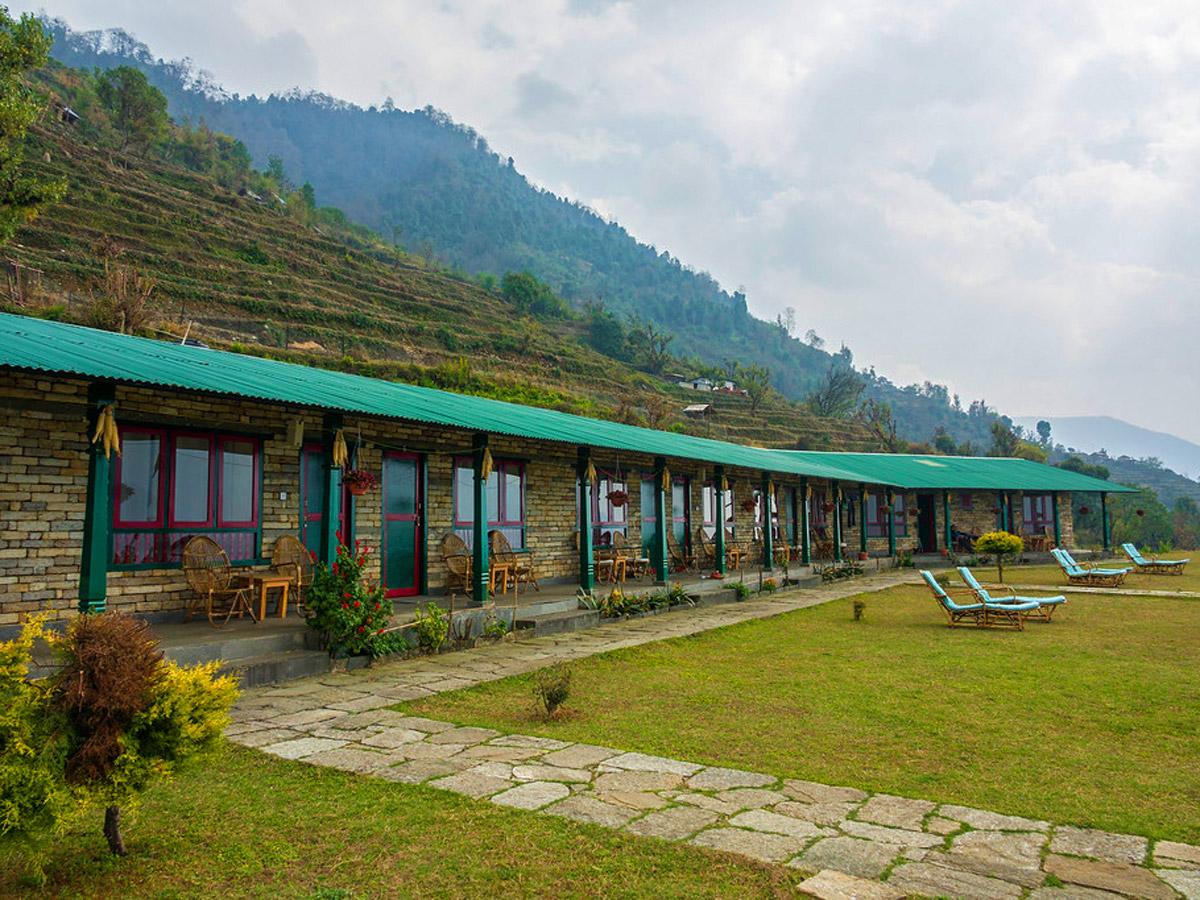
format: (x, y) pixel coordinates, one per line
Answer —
(402, 541)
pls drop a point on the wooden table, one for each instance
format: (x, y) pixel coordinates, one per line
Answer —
(263, 583)
(501, 572)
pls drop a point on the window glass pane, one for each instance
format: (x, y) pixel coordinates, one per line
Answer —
(464, 494)
(237, 481)
(191, 488)
(141, 456)
(314, 482)
(493, 498)
(512, 494)
(678, 501)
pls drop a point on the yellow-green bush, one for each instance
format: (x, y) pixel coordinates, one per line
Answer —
(1002, 544)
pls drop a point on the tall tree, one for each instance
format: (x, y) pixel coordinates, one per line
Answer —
(837, 395)
(756, 382)
(138, 108)
(23, 46)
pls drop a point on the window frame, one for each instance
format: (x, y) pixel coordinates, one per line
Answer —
(1029, 506)
(877, 524)
(497, 512)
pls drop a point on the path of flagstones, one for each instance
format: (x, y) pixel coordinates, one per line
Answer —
(860, 845)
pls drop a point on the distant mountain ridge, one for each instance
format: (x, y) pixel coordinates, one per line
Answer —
(1091, 434)
(436, 186)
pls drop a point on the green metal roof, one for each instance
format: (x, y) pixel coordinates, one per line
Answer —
(40, 346)
(974, 472)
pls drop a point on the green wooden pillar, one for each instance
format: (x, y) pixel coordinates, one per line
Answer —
(805, 537)
(947, 527)
(331, 493)
(837, 522)
(587, 564)
(719, 516)
(1057, 520)
(97, 515)
(480, 567)
(768, 543)
(658, 552)
(1105, 533)
(862, 518)
(891, 520)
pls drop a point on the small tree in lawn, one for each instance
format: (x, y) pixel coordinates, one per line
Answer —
(1000, 543)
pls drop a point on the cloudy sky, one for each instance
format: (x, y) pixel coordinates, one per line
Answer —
(1000, 196)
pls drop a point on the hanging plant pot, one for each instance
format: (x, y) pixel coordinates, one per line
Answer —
(914, 512)
(618, 498)
(1141, 512)
(359, 481)
(748, 505)
(828, 507)
(1084, 510)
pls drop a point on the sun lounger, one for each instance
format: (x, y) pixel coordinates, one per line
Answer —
(990, 593)
(978, 614)
(1092, 576)
(1154, 566)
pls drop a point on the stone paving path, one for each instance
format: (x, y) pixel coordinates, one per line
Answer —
(1121, 591)
(860, 845)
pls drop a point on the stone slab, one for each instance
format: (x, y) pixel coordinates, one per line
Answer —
(472, 784)
(852, 856)
(828, 813)
(1120, 878)
(938, 881)
(674, 824)
(831, 884)
(426, 750)
(1071, 892)
(305, 717)
(580, 756)
(1102, 845)
(463, 735)
(895, 812)
(393, 737)
(418, 771)
(429, 726)
(637, 781)
(550, 773)
(588, 809)
(502, 754)
(526, 740)
(813, 792)
(939, 825)
(641, 762)
(350, 759)
(990, 821)
(1177, 855)
(1186, 881)
(632, 799)
(718, 779)
(1009, 855)
(898, 836)
(532, 795)
(750, 798)
(265, 736)
(302, 747)
(763, 820)
(772, 848)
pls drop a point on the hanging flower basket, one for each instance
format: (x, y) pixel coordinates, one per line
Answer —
(618, 498)
(913, 511)
(1084, 510)
(1141, 512)
(828, 507)
(748, 505)
(359, 481)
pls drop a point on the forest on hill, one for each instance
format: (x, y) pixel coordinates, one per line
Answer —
(449, 198)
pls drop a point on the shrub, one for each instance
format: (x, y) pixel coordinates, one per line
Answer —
(1000, 543)
(741, 589)
(551, 688)
(432, 626)
(495, 627)
(770, 585)
(349, 614)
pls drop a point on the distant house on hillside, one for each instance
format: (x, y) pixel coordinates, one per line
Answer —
(699, 411)
(697, 384)
(65, 113)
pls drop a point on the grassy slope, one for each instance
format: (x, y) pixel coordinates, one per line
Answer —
(194, 239)
(1089, 720)
(256, 826)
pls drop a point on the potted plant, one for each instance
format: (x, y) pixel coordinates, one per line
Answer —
(359, 481)
(618, 497)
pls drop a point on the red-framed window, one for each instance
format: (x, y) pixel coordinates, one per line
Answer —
(708, 510)
(758, 515)
(505, 500)
(876, 518)
(172, 484)
(1038, 511)
(966, 500)
(607, 518)
(817, 517)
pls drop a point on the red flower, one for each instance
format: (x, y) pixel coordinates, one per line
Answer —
(362, 627)
(357, 604)
(377, 606)
(345, 606)
(312, 556)
(380, 631)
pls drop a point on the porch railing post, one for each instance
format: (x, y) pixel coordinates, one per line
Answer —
(1105, 531)
(97, 515)
(587, 565)
(862, 518)
(805, 537)
(331, 495)
(767, 543)
(837, 521)
(719, 516)
(891, 517)
(658, 553)
(947, 528)
(480, 566)
(1057, 520)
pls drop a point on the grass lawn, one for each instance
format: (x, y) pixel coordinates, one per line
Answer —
(1090, 720)
(258, 826)
(1052, 576)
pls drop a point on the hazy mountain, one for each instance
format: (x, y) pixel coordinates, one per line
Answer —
(1091, 434)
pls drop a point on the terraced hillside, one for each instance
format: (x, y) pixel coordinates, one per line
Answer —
(237, 272)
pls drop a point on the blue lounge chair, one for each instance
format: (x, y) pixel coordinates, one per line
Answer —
(983, 592)
(1154, 565)
(1092, 576)
(979, 614)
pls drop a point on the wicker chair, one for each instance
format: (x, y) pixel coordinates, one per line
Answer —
(822, 543)
(603, 563)
(215, 587)
(636, 565)
(520, 565)
(707, 557)
(457, 558)
(678, 557)
(291, 558)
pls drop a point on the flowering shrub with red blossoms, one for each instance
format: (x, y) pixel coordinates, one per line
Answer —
(349, 614)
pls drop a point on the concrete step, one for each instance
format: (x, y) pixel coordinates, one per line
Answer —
(200, 647)
(527, 608)
(270, 668)
(558, 622)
